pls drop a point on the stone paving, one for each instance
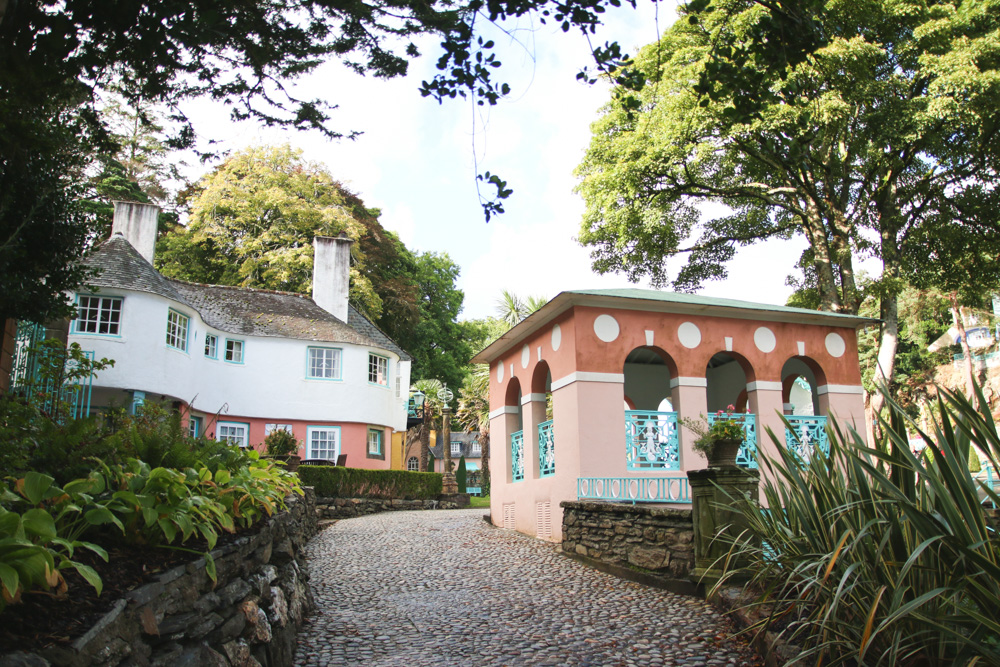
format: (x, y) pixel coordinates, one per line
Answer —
(414, 589)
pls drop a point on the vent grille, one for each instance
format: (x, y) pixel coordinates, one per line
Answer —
(508, 516)
(543, 519)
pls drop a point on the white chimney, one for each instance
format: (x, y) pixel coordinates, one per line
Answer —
(137, 223)
(332, 274)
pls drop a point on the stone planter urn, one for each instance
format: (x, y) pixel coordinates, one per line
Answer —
(723, 454)
(291, 461)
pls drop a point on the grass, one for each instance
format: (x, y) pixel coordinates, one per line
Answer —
(479, 501)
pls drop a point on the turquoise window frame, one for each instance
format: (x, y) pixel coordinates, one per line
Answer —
(187, 329)
(338, 376)
(371, 356)
(215, 346)
(381, 438)
(310, 453)
(74, 329)
(243, 351)
(246, 425)
(194, 426)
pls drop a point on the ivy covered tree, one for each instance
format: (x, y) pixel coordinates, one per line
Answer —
(864, 127)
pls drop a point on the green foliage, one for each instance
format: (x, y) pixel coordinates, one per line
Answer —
(280, 443)
(877, 556)
(340, 482)
(461, 475)
(723, 428)
(430, 463)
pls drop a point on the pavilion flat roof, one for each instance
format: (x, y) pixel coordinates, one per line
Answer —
(663, 302)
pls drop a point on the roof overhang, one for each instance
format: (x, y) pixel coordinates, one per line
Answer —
(661, 302)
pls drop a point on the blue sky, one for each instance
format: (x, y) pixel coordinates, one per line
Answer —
(416, 161)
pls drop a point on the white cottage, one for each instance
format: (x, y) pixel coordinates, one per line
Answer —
(238, 362)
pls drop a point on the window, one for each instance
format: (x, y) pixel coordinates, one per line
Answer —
(456, 448)
(211, 346)
(378, 370)
(177, 330)
(413, 464)
(477, 449)
(235, 432)
(194, 426)
(374, 442)
(271, 428)
(322, 442)
(399, 387)
(234, 351)
(324, 363)
(98, 315)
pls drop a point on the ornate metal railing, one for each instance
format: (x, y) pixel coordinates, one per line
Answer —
(804, 433)
(517, 455)
(747, 457)
(634, 489)
(546, 450)
(651, 440)
(37, 371)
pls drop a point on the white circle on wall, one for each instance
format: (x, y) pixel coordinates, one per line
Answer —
(525, 356)
(689, 335)
(556, 337)
(835, 345)
(500, 372)
(764, 339)
(606, 328)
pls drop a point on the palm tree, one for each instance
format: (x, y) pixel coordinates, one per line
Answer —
(432, 411)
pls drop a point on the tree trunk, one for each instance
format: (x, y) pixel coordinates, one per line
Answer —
(956, 316)
(484, 441)
(886, 364)
(425, 444)
(826, 282)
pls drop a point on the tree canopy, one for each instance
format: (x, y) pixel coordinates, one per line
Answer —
(866, 127)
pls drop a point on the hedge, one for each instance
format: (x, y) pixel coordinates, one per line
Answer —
(340, 482)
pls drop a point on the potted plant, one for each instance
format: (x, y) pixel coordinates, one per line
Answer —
(720, 441)
(281, 445)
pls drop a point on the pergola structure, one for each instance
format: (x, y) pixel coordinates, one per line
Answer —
(586, 394)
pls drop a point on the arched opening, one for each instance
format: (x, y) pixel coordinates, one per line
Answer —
(542, 415)
(806, 429)
(727, 375)
(515, 426)
(413, 464)
(651, 436)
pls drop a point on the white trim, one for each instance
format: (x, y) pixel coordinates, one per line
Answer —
(802, 348)
(528, 398)
(763, 385)
(840, 389)
(688, 382)
(649, 337)
(584, 376)
(505, 410)
(729, 343)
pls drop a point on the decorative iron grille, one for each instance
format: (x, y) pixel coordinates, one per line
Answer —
(747, 457)
(651, 440)
(804, 433)
(517, 455)
(634, 489)
(37, 372)
(546, 450)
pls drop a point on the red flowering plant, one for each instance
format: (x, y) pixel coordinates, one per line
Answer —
(724, 427)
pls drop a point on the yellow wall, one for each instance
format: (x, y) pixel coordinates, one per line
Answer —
(396, 452)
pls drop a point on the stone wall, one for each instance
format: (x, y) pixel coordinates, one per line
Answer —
(346, 508)
(655, 544)
(248, 618)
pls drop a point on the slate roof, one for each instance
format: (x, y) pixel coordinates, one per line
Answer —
(465, 438)
(238, 310)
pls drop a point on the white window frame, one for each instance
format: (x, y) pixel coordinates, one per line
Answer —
(271, 428)
(456, 448)
(329, 453)
(413, 464)
(98, 307)
(194, 426)
(242, 440)
(477, 449)
(378, 365)
(336, 371)
(380, 437)
(211, 346)
(229, 350)
(177, 335)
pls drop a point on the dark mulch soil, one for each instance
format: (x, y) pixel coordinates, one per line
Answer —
(42, 619)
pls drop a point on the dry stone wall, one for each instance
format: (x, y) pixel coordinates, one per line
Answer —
(654, 541)
(346, 508)
(248, 618)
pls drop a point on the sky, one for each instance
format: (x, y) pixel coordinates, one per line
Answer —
(416, 161)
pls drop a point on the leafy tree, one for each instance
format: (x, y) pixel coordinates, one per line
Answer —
(864, 127)
(461, 474)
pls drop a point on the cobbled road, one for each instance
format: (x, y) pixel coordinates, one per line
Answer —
(445, 588)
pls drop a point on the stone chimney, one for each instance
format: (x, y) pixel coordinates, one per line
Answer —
(332, 274)
(137, 223)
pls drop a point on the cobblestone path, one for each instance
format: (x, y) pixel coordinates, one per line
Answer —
(410, 589)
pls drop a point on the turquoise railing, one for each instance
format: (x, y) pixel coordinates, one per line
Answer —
(546, 450)
(28, 376)
(804, 433)
(517, 455)
(993, 482)
(651, 440)
(634, 489)
(747, 457)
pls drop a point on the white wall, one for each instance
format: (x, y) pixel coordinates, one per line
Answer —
(271, 382)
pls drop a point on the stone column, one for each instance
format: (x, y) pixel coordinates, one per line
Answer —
(713, 513)
(449, 485)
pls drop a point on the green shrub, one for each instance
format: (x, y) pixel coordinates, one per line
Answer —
(461, 475)
(879, 557)
(281, 443)
(430, 462)
(340, 482)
